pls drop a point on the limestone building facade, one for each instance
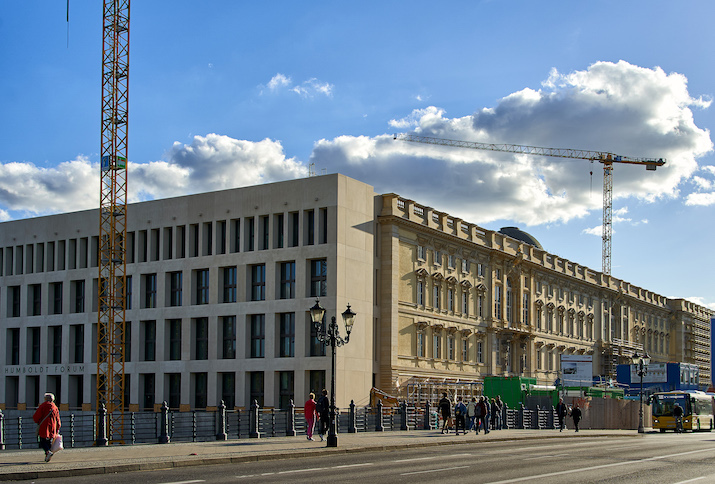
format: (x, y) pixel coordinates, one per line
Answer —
(220, 285)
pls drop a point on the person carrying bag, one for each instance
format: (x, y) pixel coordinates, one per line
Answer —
(47, 418)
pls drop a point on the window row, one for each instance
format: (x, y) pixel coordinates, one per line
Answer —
(277, 231)
(173, 289)
(205, 341)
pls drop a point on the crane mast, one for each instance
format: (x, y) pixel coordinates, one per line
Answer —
(606, 158)
(112, 289)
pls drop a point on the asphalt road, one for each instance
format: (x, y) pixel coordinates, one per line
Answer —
(662, 458)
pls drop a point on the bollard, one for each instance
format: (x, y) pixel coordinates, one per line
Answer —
(403, 413)
(101, 426)
(221, 434)
(164, 424)
(352, 420)
(290, 420)
(253, 432)
(428, 417)
(2, 431)
(193, 425)
(378, 425)
(19, 432)
(133, 424)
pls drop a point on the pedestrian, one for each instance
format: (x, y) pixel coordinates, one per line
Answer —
(478, 412)
(494, 410)
(323, 411)
(561, 412)
(484, 405)
(471, 413)
(678, 414)
(445, 408)
(460, 415)
(47, 417)
(500, 412)
(576, 416)
(310, 414)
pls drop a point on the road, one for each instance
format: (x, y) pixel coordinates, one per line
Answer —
(663, 458)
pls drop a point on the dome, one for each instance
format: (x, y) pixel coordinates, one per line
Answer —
(517, 234)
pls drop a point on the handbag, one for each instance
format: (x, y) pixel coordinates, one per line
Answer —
(57, 444)
(37, 432)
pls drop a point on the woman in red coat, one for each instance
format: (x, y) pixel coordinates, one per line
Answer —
(310, 415)
(47, 416)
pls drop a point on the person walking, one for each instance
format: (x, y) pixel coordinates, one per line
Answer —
(310, 414)
(460, 414)
(323, 411)
(47, 417)
(445, 408)
(494, 411)
(561, 412)
(576, 416)
(484, 405)
(471, 413)
(500, 412)
(478, 412)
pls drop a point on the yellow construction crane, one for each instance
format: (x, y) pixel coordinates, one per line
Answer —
(113, 218)
(605, 158)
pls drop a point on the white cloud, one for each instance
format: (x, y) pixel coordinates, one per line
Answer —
(210, 162)
(703, 185)
(614, 107)
(307, 89)
(699, 300)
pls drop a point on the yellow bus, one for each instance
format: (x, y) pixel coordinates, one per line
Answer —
(697, 410)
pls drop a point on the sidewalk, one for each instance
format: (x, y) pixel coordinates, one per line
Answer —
(29, 463)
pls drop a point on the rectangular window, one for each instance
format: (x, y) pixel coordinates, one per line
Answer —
(497, 302)
(465, 302)
(221, 234)
(436, 346)
(251, 235)
(228, 347)
(465, 349)
(465, 266)
(174, 339)
(525, 309)
(294, 227)
(287, 334)
(285, 389)
(176, 288)
(14, 295)
(258, 282)
(309, 227)
(149, 290)
(420, 344)
(480, 305)
(264, 226)
(229, 284)
(174, 390)
(318, 278)
(258, 335)
(13, 346)
(317, 348)
(421, 252)
(200, 390)
(420, 293)
(437, 258)
(56, 288)
(201, 338)
(33, 336)
(435, 296)
(287, 276)
(149, 336)
(55, 335)
(480, 269)
(127, 343)
(35, 296)
(450, 299)
(450, 347)
(78, 289)
(77, 343)
(256, 387)
(149, 382)
(279, 230)
(128, 291)
(480, 352)
(202, 286)
(451, 261)
(228, 389)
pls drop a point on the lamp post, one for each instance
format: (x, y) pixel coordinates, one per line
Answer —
(641, 362)
(329, 335)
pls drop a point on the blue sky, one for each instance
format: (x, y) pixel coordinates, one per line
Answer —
(233, 93)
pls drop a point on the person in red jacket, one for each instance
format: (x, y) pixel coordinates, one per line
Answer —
(47, 416)
(310, 414)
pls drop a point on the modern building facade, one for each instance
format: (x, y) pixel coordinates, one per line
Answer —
(220, 284)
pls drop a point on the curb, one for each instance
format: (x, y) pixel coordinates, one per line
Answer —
(178, 462)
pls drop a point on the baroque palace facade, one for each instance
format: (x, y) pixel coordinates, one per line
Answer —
(220, 285)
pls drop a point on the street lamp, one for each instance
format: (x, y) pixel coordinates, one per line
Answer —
(330, 336)
(641, 362)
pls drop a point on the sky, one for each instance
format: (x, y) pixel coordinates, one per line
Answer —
(226, 94)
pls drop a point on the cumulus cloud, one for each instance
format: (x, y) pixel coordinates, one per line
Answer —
(211, 162)
(307, 89)
(614, 107)
(704, 188)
